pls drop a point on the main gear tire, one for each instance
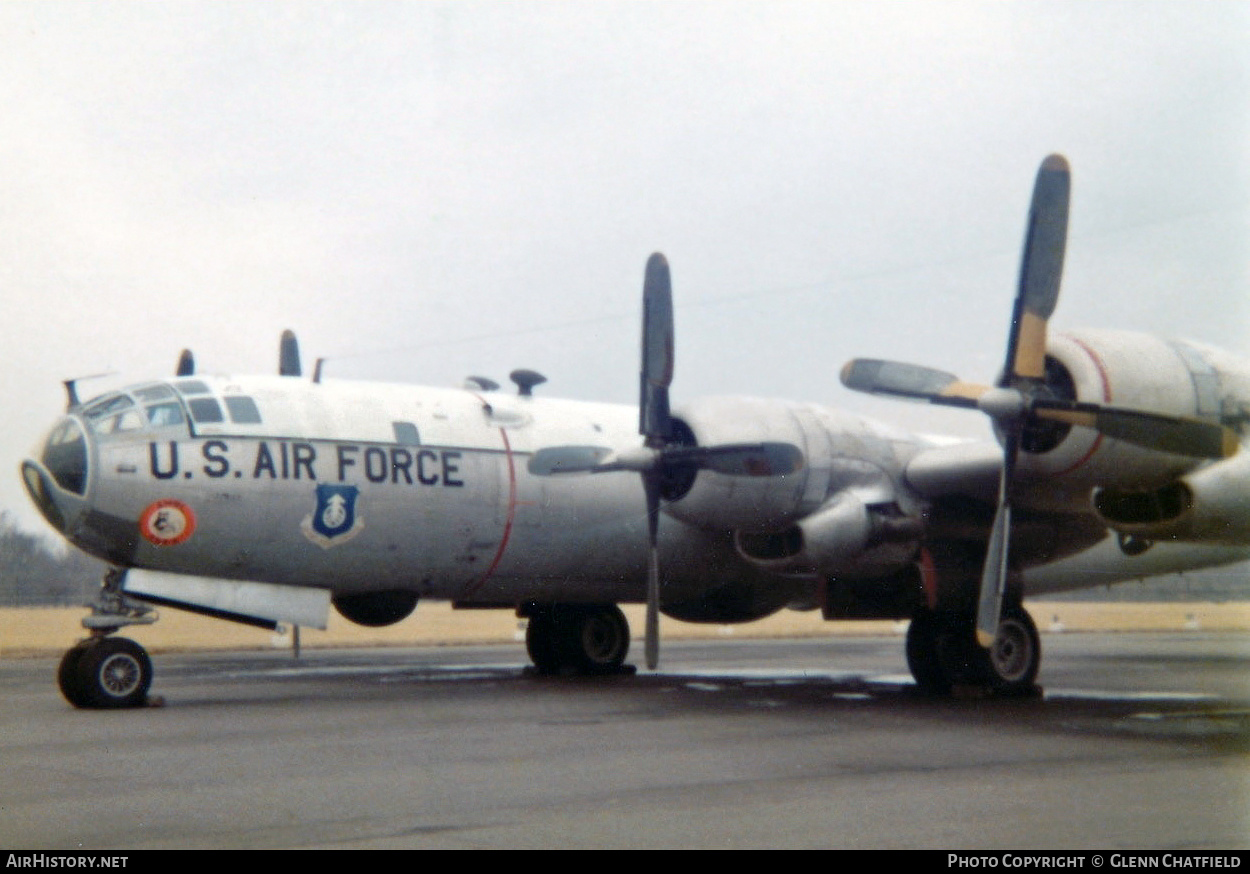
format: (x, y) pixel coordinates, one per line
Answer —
(586, 639)
(106, 674)
(923, 654)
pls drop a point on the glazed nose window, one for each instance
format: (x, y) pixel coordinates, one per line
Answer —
(65, 456)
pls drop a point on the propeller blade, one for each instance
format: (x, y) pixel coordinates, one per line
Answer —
(909, 381)
(655, 422)
(657, 352)
(1041, 268)
(994, 572)
(186, 364)
(553, 460)
(288, 355)
(1179, 435)
(651, 485)
(994, 577)
(732, 459)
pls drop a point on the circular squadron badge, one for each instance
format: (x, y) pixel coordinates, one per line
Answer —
(167, 523)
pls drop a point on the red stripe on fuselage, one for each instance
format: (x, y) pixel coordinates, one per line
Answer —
(507, 525)
(476, 585)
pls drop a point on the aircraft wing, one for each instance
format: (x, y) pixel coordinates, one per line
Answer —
(971, 470)
(960, 482)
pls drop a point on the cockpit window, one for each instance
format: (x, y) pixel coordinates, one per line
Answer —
(164, 415)
(130, 420)
(113, 414)
(242, 409)
(205, 410)
(156, 392)
(106, 405)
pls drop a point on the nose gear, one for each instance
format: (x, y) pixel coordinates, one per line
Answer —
(103, 672)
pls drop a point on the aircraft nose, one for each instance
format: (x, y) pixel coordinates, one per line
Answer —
(57, 479)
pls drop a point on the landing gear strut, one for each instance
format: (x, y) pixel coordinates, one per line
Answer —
(583, 638)
(104, 672)
(943, 654)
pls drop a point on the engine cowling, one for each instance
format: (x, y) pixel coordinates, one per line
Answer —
(844, 537)
(1118, 369)
(844, 511)
(840, 452)
(713, 500)
(1211, 505)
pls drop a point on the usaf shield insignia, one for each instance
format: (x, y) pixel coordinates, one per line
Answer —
(334, 520)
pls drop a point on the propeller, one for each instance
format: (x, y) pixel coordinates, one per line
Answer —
(1180, 435)
(186, 364)
(662, 458)
(655, 423)
(1021, 396)
(1024, 371)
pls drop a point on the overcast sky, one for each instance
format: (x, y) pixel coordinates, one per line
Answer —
(428, 190)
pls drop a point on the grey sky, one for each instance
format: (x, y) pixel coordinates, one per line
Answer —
(428, 190)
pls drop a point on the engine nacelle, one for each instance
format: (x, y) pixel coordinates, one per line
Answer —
(376, 609)
(840, 452)
(844, 537)
(1211, 505)
(1118, 369)
(713, 500)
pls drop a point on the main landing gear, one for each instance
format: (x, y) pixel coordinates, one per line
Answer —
(104, 672)
(945, 658)
(578, 638)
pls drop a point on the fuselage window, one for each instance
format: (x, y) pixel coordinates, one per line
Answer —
(205, 410)
(242, 409)
(406, 434)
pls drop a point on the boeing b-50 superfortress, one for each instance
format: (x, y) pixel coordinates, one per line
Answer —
(265, 499)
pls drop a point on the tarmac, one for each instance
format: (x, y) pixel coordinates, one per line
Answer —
(50, 630)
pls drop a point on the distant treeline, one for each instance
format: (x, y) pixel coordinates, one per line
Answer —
(35, 571)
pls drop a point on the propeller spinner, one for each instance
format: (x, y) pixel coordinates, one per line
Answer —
(662, 457)
(1022, 397)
